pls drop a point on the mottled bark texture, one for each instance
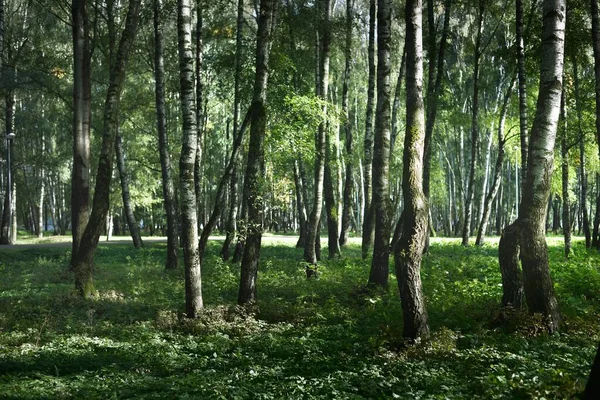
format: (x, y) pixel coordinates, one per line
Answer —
(346, 129)
(310, 248)
(368, 211)
(187, 162)
(523, 124)
(84, 259)
(530, 225)
(379, 274)
(256, 150)
(199, 115)
(408, 251)
(466, 230)
(172, 261)
(332, 199)
(80, 186)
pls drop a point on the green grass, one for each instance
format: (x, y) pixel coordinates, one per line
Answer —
(325, 338)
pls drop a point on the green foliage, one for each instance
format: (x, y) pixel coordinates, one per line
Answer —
(325, 338)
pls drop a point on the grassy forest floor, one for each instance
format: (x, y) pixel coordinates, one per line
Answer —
(325, 338)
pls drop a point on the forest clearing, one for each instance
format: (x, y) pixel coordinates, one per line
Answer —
(323, 338)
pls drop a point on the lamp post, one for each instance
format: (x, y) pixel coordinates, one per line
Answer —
(9, 137)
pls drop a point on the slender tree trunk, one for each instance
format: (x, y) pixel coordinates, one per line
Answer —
(496, 180)
(134, 229)
(187, 163)
(170, 204)
(434, 87)
(381, 155)
(347, 129)
(582, 172)
(408, 252)
(310, 250)
(300, 204)
(42, 192)
(523, 123)
(234, 197)
(255, 166)
(84, 260)
(396, 103)
(529, 229)
(369, 215)
(564, 151)
(199, 126)
(466, 231)
(331, 199)
(80, 189)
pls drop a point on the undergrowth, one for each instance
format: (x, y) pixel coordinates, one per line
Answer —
(320, 338)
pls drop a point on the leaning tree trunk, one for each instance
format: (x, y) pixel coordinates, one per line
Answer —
(368, 214)
(408, 252)
(187, 163)
(256, 151)
(582, 171)
(596, 46)
(496, 180)
(379, 274)
(346, 126)
(134, 229)
(170, 204)
(436, 73)
(234, 196)
(310, 249)
(529, 228)
(80, 189)
(300, 204)
(84, 259)
(466, 231)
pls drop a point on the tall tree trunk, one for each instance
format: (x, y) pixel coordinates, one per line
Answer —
(396, 103)
(310, 250)
(134, 228)
(596, 46)
(84, 260)
(255, 166)
(408, 252)
(234, 197)
(466, 231)
(381, 153)
(199, 115)
(496, 180)
(529, 228)
(42, 191)
(434, 87)
(564, 151)
(8, 212)
(369, 215)
(523, 124)
(582, 172)
(187, 163)
(80, 189)
(170, 203)
(347, 129)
